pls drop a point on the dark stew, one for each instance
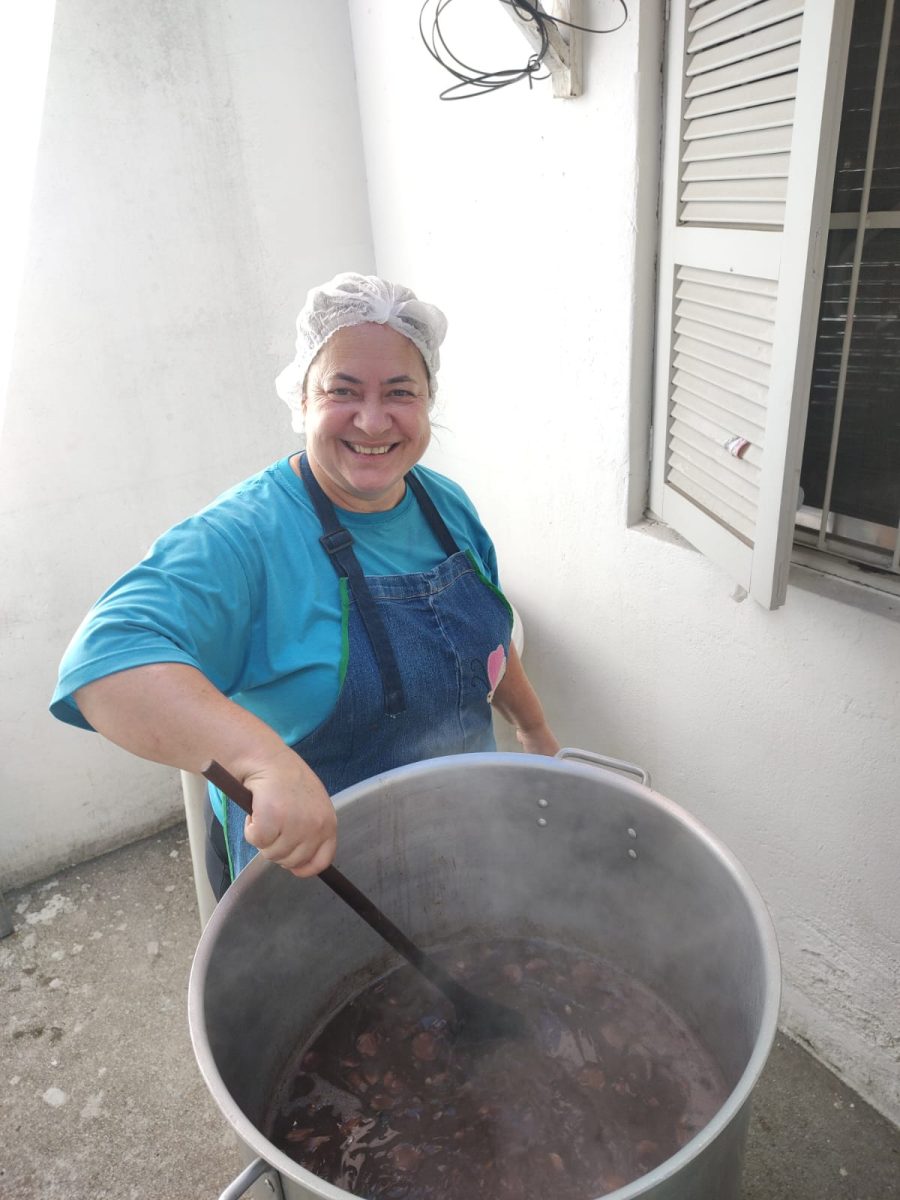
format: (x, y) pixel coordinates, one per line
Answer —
(389, 1103)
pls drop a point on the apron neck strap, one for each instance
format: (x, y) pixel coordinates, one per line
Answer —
(338, 545)
(432, 516)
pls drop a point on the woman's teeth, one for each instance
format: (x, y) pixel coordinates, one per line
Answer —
(368, 449)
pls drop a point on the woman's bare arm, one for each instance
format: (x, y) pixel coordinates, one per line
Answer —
(516, 700)
(170, 713)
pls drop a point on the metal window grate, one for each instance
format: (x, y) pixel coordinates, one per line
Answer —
(850, 478)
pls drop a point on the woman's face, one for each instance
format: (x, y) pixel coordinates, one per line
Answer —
(366, 409)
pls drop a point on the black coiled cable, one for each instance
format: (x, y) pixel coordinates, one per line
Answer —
(473, 82)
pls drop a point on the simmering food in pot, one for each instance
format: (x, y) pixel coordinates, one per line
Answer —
(389, 1102)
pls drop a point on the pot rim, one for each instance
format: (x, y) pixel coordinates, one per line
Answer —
(729, 1111)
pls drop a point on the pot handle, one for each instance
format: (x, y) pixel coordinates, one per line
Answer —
(257, 1169)
(601, 760)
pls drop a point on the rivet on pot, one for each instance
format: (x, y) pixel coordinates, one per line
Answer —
(542, 803)
(542, 821)
(632, 833)
(632, 853)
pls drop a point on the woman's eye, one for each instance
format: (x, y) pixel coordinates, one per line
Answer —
(340, 393)
(402, 394)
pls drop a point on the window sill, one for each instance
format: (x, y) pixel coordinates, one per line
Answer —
(847, 582)
(811, 571)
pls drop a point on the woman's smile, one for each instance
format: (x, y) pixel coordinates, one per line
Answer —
(358, 448)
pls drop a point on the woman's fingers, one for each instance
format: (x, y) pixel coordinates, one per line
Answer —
(293, 821)
(314, 866)
(311, 854)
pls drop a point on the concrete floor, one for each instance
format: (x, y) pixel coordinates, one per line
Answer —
(100, 1096)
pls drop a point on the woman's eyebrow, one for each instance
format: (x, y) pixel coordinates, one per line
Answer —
(385, 382)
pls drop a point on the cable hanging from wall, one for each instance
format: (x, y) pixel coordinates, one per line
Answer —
(555, 53)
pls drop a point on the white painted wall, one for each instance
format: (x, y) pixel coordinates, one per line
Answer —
(199, 168)
(521, 215)
(25, 33)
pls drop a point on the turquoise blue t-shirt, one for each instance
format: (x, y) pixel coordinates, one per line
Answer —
(244, 592)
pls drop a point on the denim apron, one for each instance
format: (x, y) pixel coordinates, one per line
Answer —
(426, 651)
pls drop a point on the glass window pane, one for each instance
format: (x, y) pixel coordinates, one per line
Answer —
(885, 194)
(862, 64)
(826, 364)
(867, 472)
(867, 469)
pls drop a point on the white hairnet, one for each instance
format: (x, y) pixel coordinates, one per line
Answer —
(351, 299)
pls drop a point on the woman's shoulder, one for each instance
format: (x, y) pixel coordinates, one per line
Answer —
(255, 519)
(443, 488)
(267, 500)
(274, 485)
(461, 516)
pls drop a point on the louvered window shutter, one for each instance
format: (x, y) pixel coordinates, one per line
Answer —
(752, 110)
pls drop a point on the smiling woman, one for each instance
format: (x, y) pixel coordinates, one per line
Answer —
(335, 616)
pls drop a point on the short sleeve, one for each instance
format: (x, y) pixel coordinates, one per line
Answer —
(189, 601)
(489, 558)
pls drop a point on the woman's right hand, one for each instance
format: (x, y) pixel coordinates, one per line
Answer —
(293, 822)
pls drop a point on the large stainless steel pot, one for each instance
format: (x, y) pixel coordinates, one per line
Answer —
(495, 842)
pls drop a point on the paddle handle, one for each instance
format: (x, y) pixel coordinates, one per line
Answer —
(350, 894)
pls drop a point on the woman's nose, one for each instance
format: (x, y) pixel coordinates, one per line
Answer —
(372, 417)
